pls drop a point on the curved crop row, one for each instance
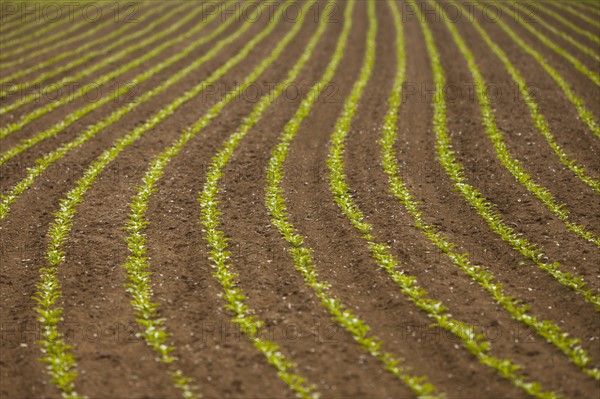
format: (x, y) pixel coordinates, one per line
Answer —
(586, 7)
(234, 297)
(519, 311)
(25, 144)
(45, 161)
(30, 36)
(61, 43)
(56, 353)
(114, 34)
(563, 35)
(568, 23)
(572, 11)
(484, 207)
(497, 138)
(34, 40)
(300, 253)
(584, 113)
(593, 76)
(537, 117)
(37, 113)
(11, 23)
(137, 264)
(17, 87)
(381, 253)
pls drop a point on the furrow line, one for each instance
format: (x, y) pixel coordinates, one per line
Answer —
(150, 13)
(301, 254)
(137, 263)
(17, 87)
(61, 362)
(116, 115)
(37, 113)
(586, 7)
(568, 23)
(381, 253)
(576, 13)
(9, 41)
(584, 113)
(563, 35)
(11, 23)
(497, 138)
(537, 117)
(27, 55)
(593, 76)
(547, 329)
(27, 42)
(482, 206)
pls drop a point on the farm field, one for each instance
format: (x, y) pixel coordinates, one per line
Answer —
(300, 198)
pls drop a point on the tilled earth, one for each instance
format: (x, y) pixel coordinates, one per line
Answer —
(98, 321)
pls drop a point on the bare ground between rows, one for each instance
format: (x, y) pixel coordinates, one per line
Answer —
(419, 257)
(117, 24)
(517, 205)
(46, 17)
(217, 351)
(38, 88)
(525, 137)
(577, 139)
(343, 258)
(15, 169)
(576, 20)
(445, 208)
(43, 202)
(278, 295)
(448, 210)
(69, 88)
(265, 264)
(530, 11)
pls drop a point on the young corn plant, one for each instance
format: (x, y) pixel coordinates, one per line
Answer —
(62, 224)
(545, 328)
(217, 243)
(300, 253)
(34, 35)
(537, 117)
(43, 163)
(474, 343)
(586, 7)
(25, 53)
(563, 35)
(486, 209)
(584, 113)
(564, 21)
(140, 289)
(43, 110)
(55, 352)
(593, 76)
(84, 49)
(497, 139)
(137, 265)
(569, 8)
(52, 131)
(122, 39)
(13, 23)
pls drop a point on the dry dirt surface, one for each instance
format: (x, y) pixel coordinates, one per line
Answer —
(302, 198)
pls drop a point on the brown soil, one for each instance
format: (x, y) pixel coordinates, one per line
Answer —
(98, 321)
